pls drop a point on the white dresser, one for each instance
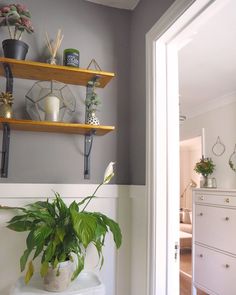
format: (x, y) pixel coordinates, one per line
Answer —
(214, 241)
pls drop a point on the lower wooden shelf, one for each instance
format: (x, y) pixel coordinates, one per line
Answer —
(56, 127)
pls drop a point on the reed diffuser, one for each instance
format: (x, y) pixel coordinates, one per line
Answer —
(53, 46)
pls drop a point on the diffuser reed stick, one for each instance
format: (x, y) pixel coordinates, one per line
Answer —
(54, 45)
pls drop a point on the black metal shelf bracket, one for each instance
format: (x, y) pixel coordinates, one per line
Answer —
(88, 138)
(5, 150)
(88, 143)
(6, 127)
(9, 77)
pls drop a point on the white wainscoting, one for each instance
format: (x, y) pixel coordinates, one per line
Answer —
(124, 271)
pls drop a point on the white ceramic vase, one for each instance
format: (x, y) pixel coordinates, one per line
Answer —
(59, 278)
(92, 119)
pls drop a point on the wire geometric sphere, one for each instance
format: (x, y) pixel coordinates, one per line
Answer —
(36, 100)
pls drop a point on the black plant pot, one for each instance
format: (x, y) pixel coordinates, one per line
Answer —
(14, 48)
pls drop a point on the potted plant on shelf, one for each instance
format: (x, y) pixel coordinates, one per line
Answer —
(17, 19)
(59, 233)
(205, 167)
(92, 102)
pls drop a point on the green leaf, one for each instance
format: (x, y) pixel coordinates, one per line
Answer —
(61, 206)
(49, 252)
(44, 268)
(24, 258)
(60, 232)
(38, 250)
(18, 218)
(79, 267)
(99, 246)
(101, 230)
(43, 215)
(84, 226)
(74, 206)
(45, 205)
(37, 237)
(55, 263)
(62, 257)
(114, 228)
(20, 226)
(29, 272)
(85, 199)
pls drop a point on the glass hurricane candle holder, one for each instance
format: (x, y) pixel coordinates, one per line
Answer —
(50, 101)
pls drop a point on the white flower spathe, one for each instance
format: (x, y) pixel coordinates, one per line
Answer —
(109, 173)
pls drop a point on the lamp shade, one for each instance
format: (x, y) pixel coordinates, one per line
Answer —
(50, 101)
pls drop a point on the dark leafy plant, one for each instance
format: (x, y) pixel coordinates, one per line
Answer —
(205, 167)
(92, 100)
(57, 230)
(17, 16)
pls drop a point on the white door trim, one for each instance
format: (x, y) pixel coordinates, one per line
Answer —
(162, 130)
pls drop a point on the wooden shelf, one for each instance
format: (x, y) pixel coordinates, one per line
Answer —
(57, 127)
(42, 71)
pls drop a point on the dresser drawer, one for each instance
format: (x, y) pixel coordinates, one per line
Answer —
(219, 199)
(215, 271)
(215, 227)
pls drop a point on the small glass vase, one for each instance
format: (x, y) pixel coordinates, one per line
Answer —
(204, 181)
(52, 61)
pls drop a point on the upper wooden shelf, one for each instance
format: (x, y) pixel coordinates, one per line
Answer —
(42, 71)
(57, 127)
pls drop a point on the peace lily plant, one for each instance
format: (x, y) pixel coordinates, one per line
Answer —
(57, 232)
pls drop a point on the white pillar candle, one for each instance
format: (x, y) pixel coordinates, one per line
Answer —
(51, 107)
(203, 142)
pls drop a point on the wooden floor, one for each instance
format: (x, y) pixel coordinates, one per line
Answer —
(186, 275)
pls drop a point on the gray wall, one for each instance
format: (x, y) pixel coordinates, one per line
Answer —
(98, 32)
(144, 17)
(116, 39)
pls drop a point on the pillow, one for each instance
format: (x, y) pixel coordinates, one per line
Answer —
(187, 216)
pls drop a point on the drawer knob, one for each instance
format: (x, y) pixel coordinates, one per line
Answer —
(227, 265)
(227, 200)
(201, 198)
(227, 218)
(201, 214)
(201, 255)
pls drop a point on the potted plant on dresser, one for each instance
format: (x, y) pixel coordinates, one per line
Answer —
(205, 167)
(60, 235)
(17, 19)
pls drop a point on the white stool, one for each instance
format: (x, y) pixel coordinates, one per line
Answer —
(87, 283)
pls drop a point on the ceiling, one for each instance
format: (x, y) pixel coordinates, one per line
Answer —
(123, 4)
(207, 64)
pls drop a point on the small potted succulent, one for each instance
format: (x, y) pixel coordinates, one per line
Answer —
(60, 235)
(205, 167)
(17, 19)
(92, 102)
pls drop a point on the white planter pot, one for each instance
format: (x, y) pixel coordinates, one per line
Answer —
(59, 278)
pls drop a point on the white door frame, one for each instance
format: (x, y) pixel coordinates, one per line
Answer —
(162, 139)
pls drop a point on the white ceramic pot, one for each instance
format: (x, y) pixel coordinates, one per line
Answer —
(92, 119)
(59, 278)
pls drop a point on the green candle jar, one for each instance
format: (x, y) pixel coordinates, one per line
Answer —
(71, 57)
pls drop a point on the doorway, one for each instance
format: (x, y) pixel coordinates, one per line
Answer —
(163, 43)
(190, 153)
